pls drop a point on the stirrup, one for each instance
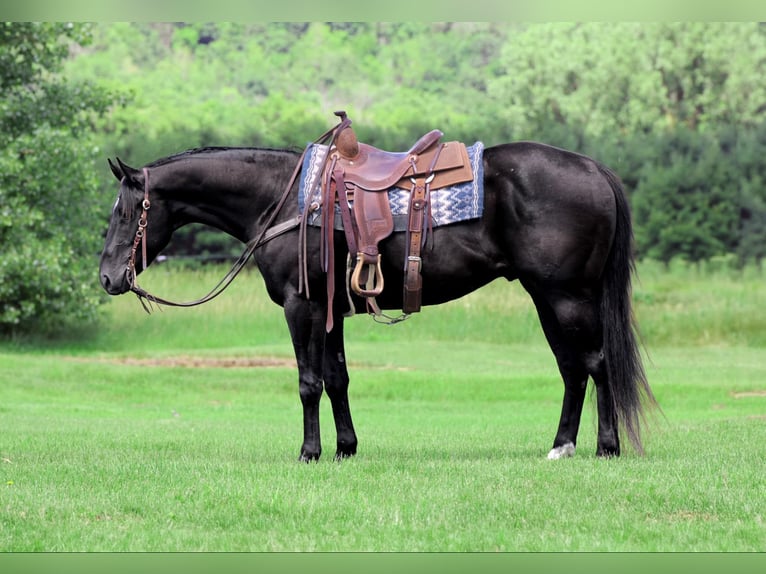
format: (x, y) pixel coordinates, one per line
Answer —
(374, 278)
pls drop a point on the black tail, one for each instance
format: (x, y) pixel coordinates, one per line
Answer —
(626, 377)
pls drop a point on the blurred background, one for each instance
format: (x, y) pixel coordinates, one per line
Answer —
(676, 109)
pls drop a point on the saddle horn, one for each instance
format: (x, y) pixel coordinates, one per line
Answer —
(345, 138)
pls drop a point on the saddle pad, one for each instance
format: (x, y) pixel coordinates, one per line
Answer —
(459, 202)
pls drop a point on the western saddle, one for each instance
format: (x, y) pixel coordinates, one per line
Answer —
(357, 176)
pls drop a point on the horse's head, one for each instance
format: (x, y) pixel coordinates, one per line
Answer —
(139, 223)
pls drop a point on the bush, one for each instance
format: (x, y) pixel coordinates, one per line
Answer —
(49, 216)
(47, 230)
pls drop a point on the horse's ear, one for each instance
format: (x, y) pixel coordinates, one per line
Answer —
(132, 176)
(115, 170)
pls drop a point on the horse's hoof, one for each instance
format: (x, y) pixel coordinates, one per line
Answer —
(564, 451)
(307, 457)
(345, 449)
(342, 455)
(603, 452)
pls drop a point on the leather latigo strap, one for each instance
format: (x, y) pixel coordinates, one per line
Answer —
(413, 282)
(419, 202)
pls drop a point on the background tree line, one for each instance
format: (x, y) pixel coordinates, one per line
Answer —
(677, 109)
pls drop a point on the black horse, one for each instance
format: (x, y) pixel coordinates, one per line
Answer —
(555, 220)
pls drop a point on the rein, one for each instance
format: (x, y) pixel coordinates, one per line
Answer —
(263, 237)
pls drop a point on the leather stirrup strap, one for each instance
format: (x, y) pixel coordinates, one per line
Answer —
(349, 223)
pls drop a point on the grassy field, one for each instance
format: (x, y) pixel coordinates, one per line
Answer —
(180, 431)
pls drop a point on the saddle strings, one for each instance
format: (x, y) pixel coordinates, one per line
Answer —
(332, 135)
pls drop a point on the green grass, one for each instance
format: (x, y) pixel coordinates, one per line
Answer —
(99, 455)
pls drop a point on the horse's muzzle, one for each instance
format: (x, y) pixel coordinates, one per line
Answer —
(114, 287)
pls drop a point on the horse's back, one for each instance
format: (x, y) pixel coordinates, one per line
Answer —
(540, 171)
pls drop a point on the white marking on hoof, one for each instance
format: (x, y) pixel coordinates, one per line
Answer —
(564, 451)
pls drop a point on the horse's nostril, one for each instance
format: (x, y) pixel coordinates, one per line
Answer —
(106, 283)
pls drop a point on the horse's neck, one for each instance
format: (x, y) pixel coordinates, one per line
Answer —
(235, 196)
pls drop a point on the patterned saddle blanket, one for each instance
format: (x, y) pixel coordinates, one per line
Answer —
(448, 205)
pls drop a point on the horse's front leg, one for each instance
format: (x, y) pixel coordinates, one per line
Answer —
(336, 384)
(306, 321)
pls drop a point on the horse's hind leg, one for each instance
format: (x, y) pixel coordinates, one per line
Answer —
(336, 384)
(570, 321)
(575, 378)
(608, 436)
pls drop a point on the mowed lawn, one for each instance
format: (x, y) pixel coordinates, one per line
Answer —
(180, 431)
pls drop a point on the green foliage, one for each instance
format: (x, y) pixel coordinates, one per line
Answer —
(681, 204)
(675, 108)
(630, 78)
(49, 233)
(747, 153)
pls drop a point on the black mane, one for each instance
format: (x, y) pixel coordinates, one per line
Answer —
(217, 149)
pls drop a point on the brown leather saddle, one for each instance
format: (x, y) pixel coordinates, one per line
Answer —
(357, 177)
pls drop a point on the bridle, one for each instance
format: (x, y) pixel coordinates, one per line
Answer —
(269, 232)
(140, 237)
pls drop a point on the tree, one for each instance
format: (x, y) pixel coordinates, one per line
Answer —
(49, 210)
(630, 78)
(664, 104)
(685, 203)
(747, 154)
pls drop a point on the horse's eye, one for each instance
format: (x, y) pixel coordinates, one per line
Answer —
(125, 210)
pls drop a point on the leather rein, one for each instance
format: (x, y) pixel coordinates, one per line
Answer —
(270, 231)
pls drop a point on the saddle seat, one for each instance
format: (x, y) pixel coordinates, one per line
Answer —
(378, 170)
(374, 169)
